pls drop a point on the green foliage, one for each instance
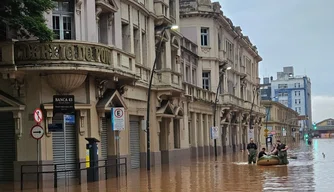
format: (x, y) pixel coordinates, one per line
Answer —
(27, 17)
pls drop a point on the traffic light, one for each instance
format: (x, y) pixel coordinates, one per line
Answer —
(306, 136)
(314, 126)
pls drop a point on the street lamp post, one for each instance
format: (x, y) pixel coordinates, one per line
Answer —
(157, 57)
(215, 106)
(267, 118)
(251, 110)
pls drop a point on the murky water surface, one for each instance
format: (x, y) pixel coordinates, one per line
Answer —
(309, 172)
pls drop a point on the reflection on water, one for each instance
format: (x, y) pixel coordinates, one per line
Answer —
(309, 172)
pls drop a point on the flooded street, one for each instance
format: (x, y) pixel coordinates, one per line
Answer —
(309, 172)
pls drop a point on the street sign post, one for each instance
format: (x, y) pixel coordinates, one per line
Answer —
(37, 132)
(214, 133)
(117, 119)
(38, 116)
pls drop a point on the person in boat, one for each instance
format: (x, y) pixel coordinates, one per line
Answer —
(251, 149)
(262, 153)
(282, 152)
(272, 152)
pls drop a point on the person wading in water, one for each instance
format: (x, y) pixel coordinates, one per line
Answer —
(282, 152)
(251, 148)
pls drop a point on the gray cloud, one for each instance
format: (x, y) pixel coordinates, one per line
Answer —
(323, 108)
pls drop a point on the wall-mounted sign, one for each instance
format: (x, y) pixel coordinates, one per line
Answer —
(63, 104)
(69, 119)
(118, 119)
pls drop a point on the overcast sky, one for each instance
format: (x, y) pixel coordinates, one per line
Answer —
(297, 33)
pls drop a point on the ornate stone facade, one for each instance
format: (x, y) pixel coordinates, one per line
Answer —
(222, 45)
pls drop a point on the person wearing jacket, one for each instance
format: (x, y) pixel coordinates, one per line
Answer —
(251, 149)
(282, 152)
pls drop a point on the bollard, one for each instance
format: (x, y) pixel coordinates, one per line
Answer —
(21, 178)
(116, 167)
(38, 179)
(106, 168)
(79, 172)
(55, 175)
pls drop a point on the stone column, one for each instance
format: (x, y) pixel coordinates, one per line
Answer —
(193, 135)
(200, 135)
(206, 135)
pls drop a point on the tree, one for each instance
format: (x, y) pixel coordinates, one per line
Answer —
(26, 17)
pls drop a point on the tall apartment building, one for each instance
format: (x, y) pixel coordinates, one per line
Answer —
(221, 45)
(265, 88)
(295, 93)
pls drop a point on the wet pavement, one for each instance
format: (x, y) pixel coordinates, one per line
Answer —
(309, 172)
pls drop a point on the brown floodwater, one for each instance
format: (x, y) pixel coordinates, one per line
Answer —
(309, 172)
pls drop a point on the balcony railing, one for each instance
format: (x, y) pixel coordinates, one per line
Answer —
(198, 93)
(6, 53)
(232, 100)
(68, 54)
(143, 72)
(167, 78)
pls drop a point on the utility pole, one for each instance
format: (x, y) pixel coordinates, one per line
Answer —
(215, 105)
(157, 57)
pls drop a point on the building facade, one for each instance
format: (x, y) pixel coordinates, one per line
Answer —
(265, 88)
(222, 45)
(102, 54)
(323, 129)
(295, 93)
(281, 122)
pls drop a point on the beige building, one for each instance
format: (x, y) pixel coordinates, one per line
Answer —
(102, 55)
(281, 123)
(220, 42)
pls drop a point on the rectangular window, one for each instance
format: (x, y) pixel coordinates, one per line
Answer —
(206, 80)
(188, 74)
(194, 76)
(219, 42)
(230, 50)
(144, 49)
(136, 44)
(297, 93)
(63, 20)
(282, 86)
(172, 11)
(285, 94)
(297, 85)
(297, 101)
(204, 36)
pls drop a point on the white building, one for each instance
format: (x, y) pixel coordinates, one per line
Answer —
(220, 42)
(294, 92)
